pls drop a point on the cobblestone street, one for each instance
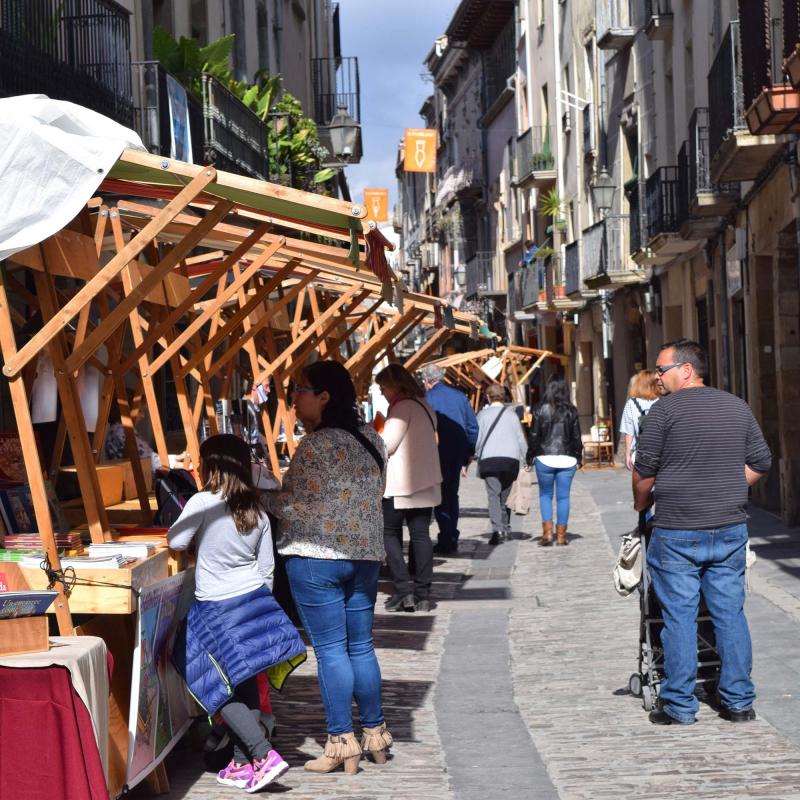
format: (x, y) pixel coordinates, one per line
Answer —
(517, 682)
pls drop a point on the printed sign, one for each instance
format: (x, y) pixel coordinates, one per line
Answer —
(420, 150)
(376, 201)
(180, 132)
(161, 705)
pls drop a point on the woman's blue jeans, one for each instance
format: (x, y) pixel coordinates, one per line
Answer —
(336, 603)
(682, 564)
(560, 479)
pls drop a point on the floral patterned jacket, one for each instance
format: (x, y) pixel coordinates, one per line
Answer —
(330, 504)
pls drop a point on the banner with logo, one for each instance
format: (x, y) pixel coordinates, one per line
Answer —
(420, 150)
(376, 201)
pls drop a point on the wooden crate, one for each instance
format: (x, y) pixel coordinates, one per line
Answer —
(99, 599)
(24, 635)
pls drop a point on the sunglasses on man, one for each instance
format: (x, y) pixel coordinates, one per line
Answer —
(667, 367)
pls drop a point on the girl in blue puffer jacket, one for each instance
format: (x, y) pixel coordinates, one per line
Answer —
(235, 628)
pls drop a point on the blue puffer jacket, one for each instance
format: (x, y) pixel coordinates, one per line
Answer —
(222, 643)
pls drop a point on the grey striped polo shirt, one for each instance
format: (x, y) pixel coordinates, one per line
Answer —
(696, 443)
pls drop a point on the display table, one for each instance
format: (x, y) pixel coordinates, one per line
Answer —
(54, 721)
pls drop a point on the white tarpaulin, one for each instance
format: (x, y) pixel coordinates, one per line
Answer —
(53, 156)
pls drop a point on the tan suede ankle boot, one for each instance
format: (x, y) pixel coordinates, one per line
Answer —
(561, 534)
(339, 750)
(547, 534)
(376, 742)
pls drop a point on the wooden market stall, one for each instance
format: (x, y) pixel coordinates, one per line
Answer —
(511, 366)
(175, 273)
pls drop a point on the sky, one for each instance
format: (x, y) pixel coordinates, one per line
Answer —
(390, 38)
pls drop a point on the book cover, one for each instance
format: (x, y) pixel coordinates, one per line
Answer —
(20, 509)
(12, 464)
(25, 604)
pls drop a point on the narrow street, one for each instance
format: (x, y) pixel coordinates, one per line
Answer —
(517, 682)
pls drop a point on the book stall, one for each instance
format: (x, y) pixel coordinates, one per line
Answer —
(192, 297)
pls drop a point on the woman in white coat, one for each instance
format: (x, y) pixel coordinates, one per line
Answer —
(413, 486)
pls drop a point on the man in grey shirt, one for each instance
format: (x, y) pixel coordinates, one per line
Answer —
(699, 451)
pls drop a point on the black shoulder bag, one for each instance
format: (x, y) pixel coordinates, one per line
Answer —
(489, 436)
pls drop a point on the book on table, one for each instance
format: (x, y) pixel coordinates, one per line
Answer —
(29, 603)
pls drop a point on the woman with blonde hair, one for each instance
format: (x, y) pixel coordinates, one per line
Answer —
(643, 391)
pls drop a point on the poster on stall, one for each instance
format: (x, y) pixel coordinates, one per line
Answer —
(161, 706)
(180, 131)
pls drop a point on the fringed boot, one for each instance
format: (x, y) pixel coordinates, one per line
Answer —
(547, 534)
(339, 750)
(561, 534)
(376, 741)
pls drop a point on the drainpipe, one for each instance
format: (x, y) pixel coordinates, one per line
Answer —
(794, 182)
(724, 314)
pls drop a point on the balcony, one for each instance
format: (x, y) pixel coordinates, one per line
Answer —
(606, 262)
(736, 154)
(480, 277)
(76, 50)
(705, 204)
(663, 213)
(336, 85)
(223, 131)
(658, 19)
(612, 32)
(533, 283)
(499, 65)
(572, 269)
(459, 182)
(534, 164)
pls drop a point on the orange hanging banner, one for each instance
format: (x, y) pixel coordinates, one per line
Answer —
(420, 150)
(376, 201)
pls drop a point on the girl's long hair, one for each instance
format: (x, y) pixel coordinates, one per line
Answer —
(225, 470)
(556, 396)
(400, 379)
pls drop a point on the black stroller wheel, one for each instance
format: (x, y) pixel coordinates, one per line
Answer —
(635, 683)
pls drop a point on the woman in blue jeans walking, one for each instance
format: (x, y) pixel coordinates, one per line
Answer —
(555, 451)
(331, 534)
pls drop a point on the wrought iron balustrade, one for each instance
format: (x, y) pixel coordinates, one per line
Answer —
(479, 273)
(76, 50)
(635, 220)
(499, 64)
(725, 91)
(662, 201)
(533, 152)
(572, 268)
(336, 83)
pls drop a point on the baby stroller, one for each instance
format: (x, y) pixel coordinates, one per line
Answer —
(646, 682)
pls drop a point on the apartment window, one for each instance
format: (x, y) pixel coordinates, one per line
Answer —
(198, 12)
(162, 14)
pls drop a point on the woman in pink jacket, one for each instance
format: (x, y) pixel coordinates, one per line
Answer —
(413, 486)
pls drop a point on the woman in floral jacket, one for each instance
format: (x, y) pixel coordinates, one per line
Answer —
(331, 534)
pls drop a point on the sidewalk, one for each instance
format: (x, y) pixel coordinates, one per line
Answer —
(517, 683)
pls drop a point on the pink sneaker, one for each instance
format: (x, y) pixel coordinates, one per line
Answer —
(238, 775)
(266, 771)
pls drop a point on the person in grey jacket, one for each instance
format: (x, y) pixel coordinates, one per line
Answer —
(500, 450)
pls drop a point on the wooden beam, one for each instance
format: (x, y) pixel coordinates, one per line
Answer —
(140, 291)
(418, 358)
(92, 287)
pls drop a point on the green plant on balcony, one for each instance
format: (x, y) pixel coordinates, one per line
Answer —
(542, 161)
(296, 144)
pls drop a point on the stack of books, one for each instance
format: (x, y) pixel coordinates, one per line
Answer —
(67, 543)
(131, 550)
(110, 561)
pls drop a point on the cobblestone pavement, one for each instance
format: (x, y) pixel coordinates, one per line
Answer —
(568, 726)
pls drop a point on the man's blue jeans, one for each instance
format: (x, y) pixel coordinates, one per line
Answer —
(560, 479)
(682, 564)
(336, 603)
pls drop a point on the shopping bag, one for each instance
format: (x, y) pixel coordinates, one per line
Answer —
(628, 569)
(519, 498)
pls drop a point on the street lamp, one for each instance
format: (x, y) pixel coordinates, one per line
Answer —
(603, 189)
(343, 131)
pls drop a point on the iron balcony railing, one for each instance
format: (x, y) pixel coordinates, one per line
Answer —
(572, 268)
(224, 132)
(588, 128)
(479, 273)
(77, 50)
(698, 160)
(635, 226)
(657, 8)
(662, 201)
(725, 91)
(604, 247)
(533, 152)
(499, 64)
(336, 83)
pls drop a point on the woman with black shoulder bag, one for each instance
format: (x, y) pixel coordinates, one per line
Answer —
(500, 450)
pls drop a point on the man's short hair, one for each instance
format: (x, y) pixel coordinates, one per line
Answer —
(686, 351)
(432, 373)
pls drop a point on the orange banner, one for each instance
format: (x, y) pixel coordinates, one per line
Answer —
(376, 201)
(420, 144)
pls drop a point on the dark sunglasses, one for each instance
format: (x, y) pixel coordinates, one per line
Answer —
(668, 367)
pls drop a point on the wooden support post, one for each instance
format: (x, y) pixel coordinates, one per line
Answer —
(315, 312)
(30, 454)
(108, 273)
(73, 414)
(417, 360)
(533, 368)
(283, 413)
